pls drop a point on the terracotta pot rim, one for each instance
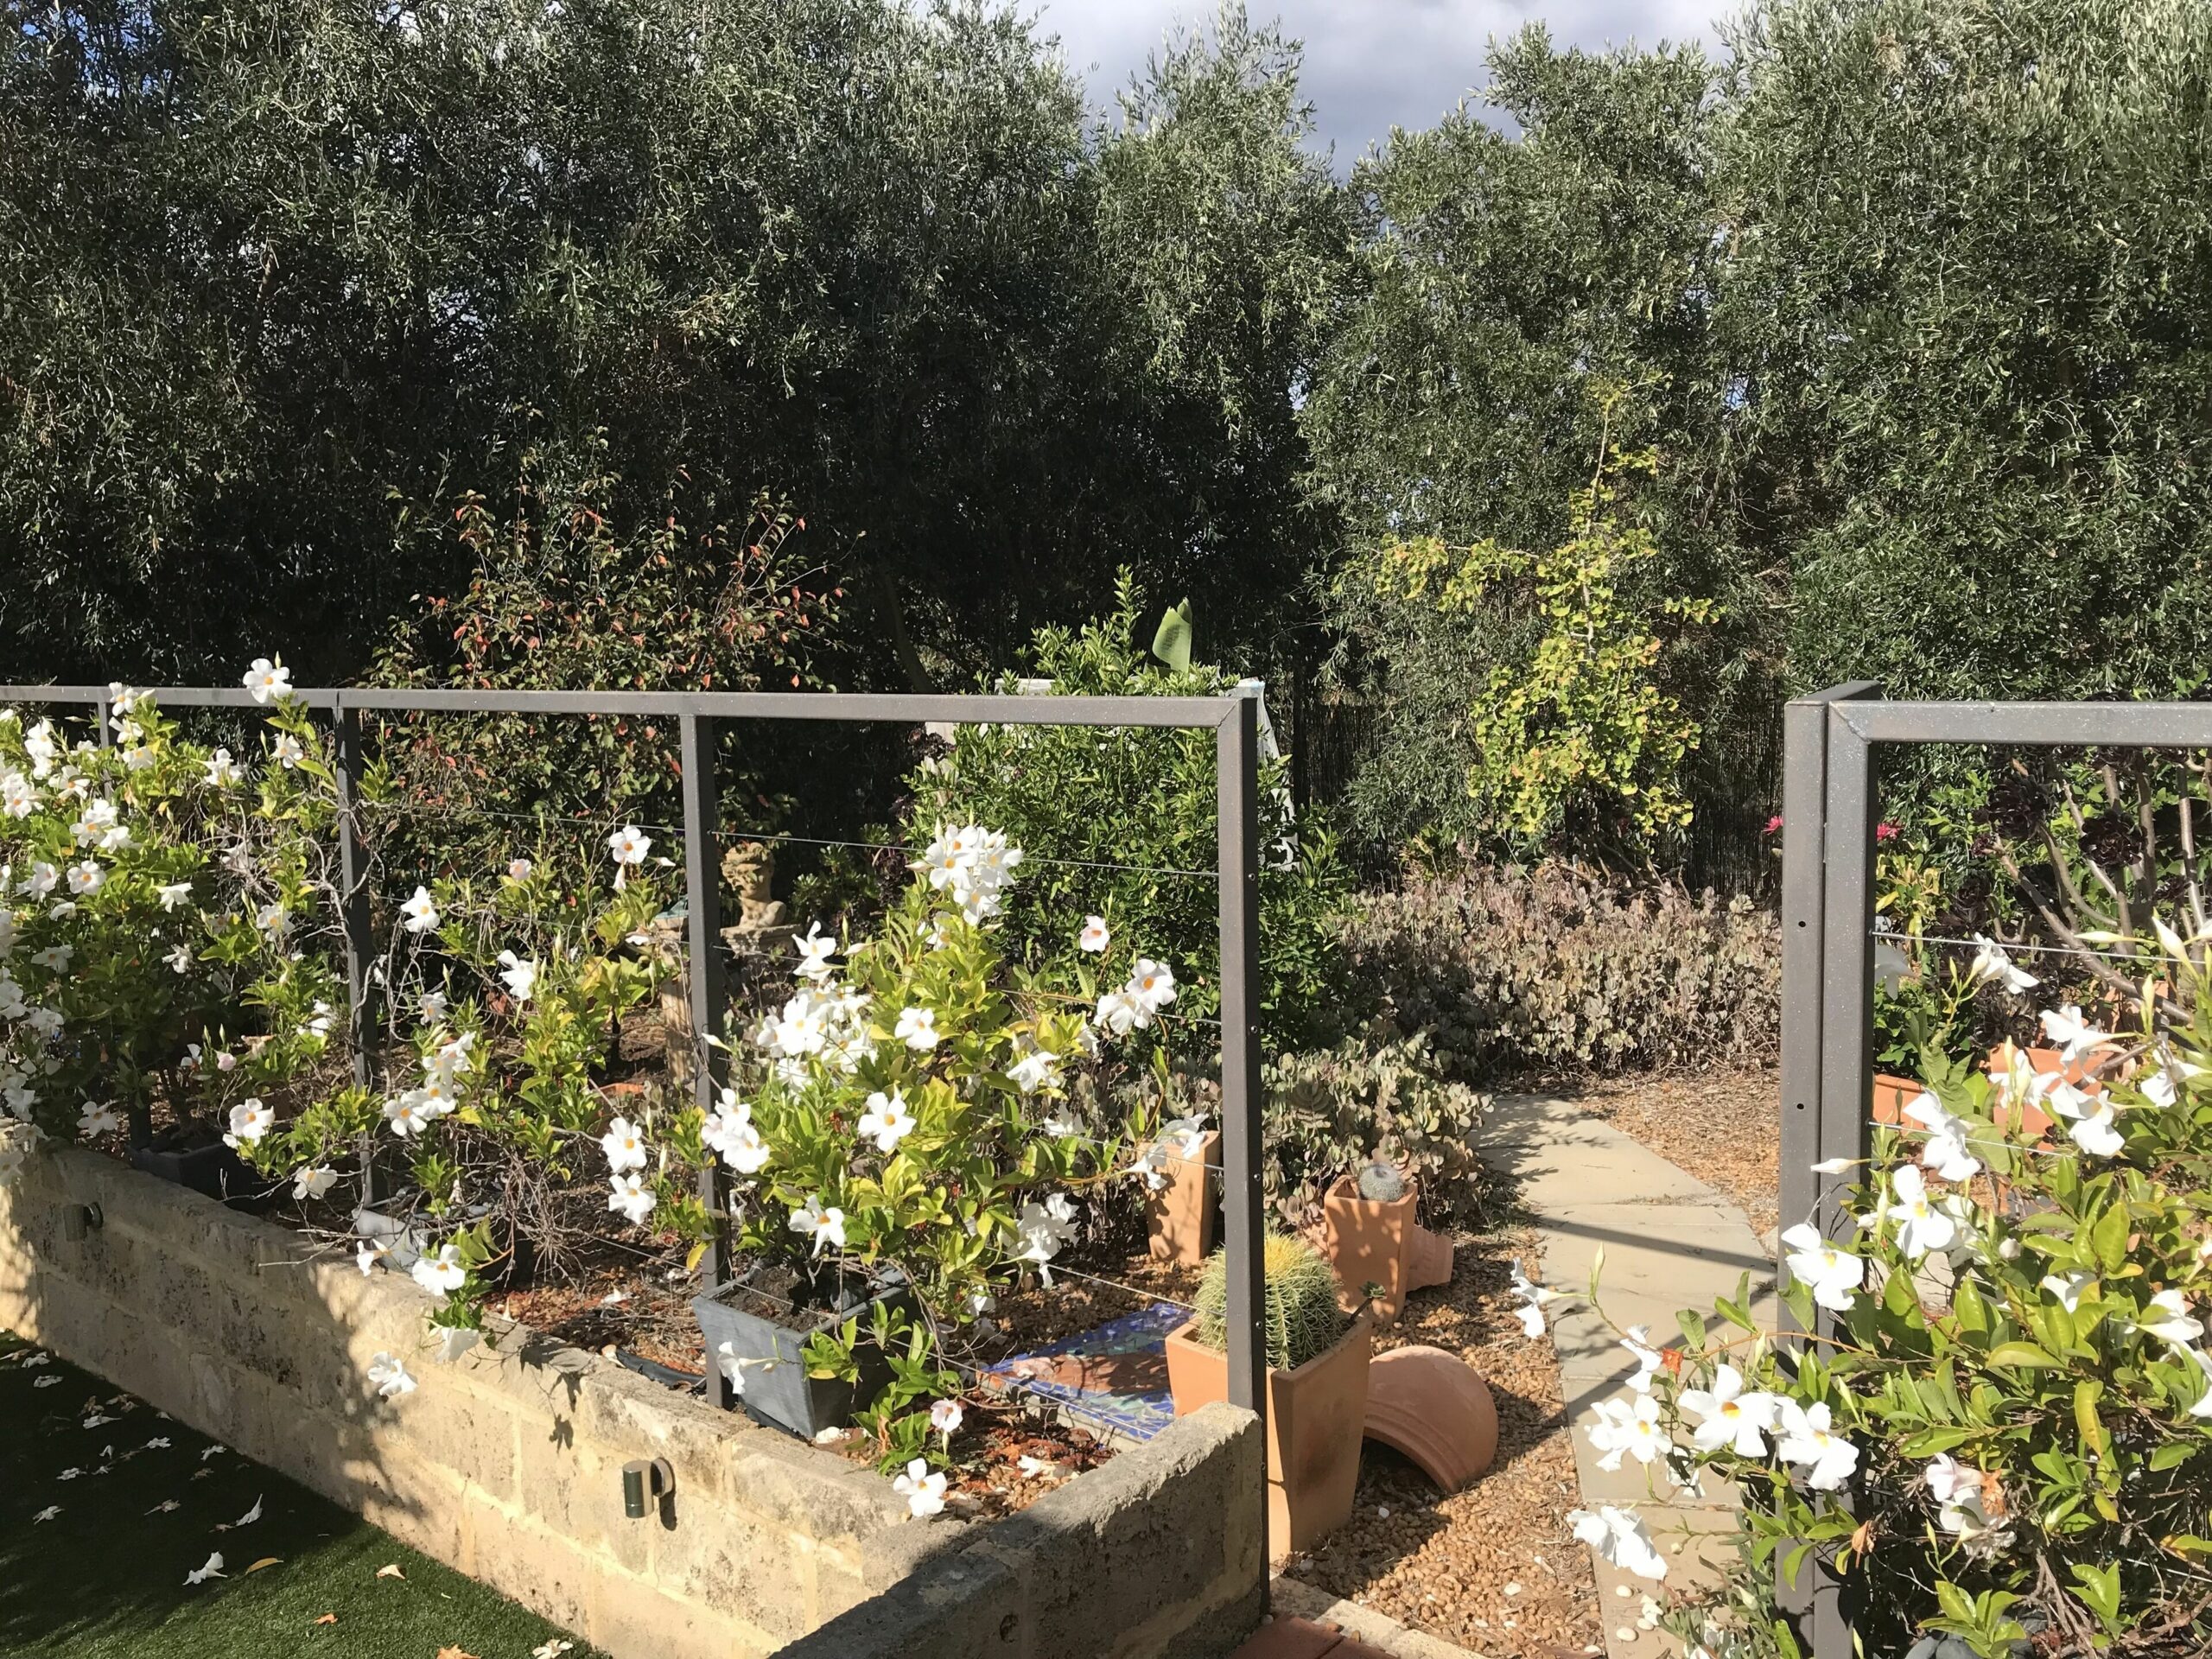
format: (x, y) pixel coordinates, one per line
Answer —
(1364, 1316)
(1336, 1190)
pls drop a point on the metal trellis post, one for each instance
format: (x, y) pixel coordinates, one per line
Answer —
(1236, 756)
(366, 1015)
(703, 926)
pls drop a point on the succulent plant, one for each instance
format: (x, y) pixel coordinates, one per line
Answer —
(1303, 1320)
(1381, 1183)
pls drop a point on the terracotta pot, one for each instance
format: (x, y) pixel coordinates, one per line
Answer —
(1890, 1096)
(1316, 1420)
(1372, 1242)
(1430, 1405)
(1180, 1216)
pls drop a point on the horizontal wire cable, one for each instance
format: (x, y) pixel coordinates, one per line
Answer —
(2036, 949)
(676, 832)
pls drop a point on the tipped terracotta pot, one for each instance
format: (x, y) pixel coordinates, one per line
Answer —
(1180, 1216)
(1377, 1241)
(1430, 1404)
(1316, 1420)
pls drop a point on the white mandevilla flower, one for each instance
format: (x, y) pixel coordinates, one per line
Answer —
(886, 1121)
(623, 1145)
(312, 1181)
(2073, 1035)
(42, 880)
(814, 953)
(18, 795)
(730, 1131)
(1041, 1229)
(1810, 1441)
(519, 870)
(1120, 1013)
(922, 1490)
(98, 1119)
(368, 1253)
(824, 1225)
(250, 1121)
(1628, 1427)
(627, 847)
(945, 1419)
(1534, 1297)
(139, 756)
(288, 752)
(631, 1195)
(2095, 1131)
(173, 893)
(1835, 1275)
(520, 975)
(2166, 1316)
(223, 772)
(419, 914)
(86, 877)
(1991, 964)
(389, 1377)
(1094, 937)
(1945, 1150)
(917, 1028)
(1922, 1224)
(267, 679)
(272, 919)
(1731, 1415)
(405, 1112)
(442, 1274)
(2067, 1287)
(1963, 1497)
(1152, 983)
(1619, 1538)
(1037, 1068)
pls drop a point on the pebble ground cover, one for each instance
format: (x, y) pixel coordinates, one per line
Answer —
(109, 1509)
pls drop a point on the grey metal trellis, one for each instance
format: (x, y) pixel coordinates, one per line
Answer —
(1829, 824)
(1233, 718)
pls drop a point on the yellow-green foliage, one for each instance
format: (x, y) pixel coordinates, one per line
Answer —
(1584, 725)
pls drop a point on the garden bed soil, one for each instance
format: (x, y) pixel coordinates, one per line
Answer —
(1723, 1126)
(1493, 1567)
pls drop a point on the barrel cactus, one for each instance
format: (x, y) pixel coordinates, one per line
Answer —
(1381, 1183)
(1303, 1320)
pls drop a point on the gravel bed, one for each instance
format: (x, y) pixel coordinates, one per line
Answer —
(1492, 1568)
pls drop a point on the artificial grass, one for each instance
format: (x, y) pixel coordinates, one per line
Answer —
(104, 1579)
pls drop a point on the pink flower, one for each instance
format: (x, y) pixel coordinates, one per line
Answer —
(1774, 824)
(1886, 832)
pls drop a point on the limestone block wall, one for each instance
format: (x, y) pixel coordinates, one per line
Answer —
(507, 1462)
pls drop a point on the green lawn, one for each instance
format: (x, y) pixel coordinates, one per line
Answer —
(104, 1578)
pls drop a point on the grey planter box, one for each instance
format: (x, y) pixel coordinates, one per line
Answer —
(781, 1394)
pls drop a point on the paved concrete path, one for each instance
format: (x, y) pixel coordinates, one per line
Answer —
(1670, 1242)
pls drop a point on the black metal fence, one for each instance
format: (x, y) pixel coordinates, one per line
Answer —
(1233, 720)
(1829, 816)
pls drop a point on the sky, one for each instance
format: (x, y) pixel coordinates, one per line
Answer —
(1368, 63)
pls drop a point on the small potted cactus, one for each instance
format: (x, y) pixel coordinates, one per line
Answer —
(1317, 1357)
(1373, 1240)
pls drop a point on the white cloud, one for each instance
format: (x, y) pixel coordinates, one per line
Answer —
(1370, 63)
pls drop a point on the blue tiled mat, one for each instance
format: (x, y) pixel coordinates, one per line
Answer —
(1112, 1379)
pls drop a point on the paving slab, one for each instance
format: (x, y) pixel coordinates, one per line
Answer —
(1665, 1241)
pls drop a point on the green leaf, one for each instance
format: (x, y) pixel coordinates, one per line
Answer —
(2099, 1589)
(2021, 1356)
(1172, 643)
(2108, 1237)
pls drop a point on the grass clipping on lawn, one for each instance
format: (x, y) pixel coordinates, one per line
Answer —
(104, 1576)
